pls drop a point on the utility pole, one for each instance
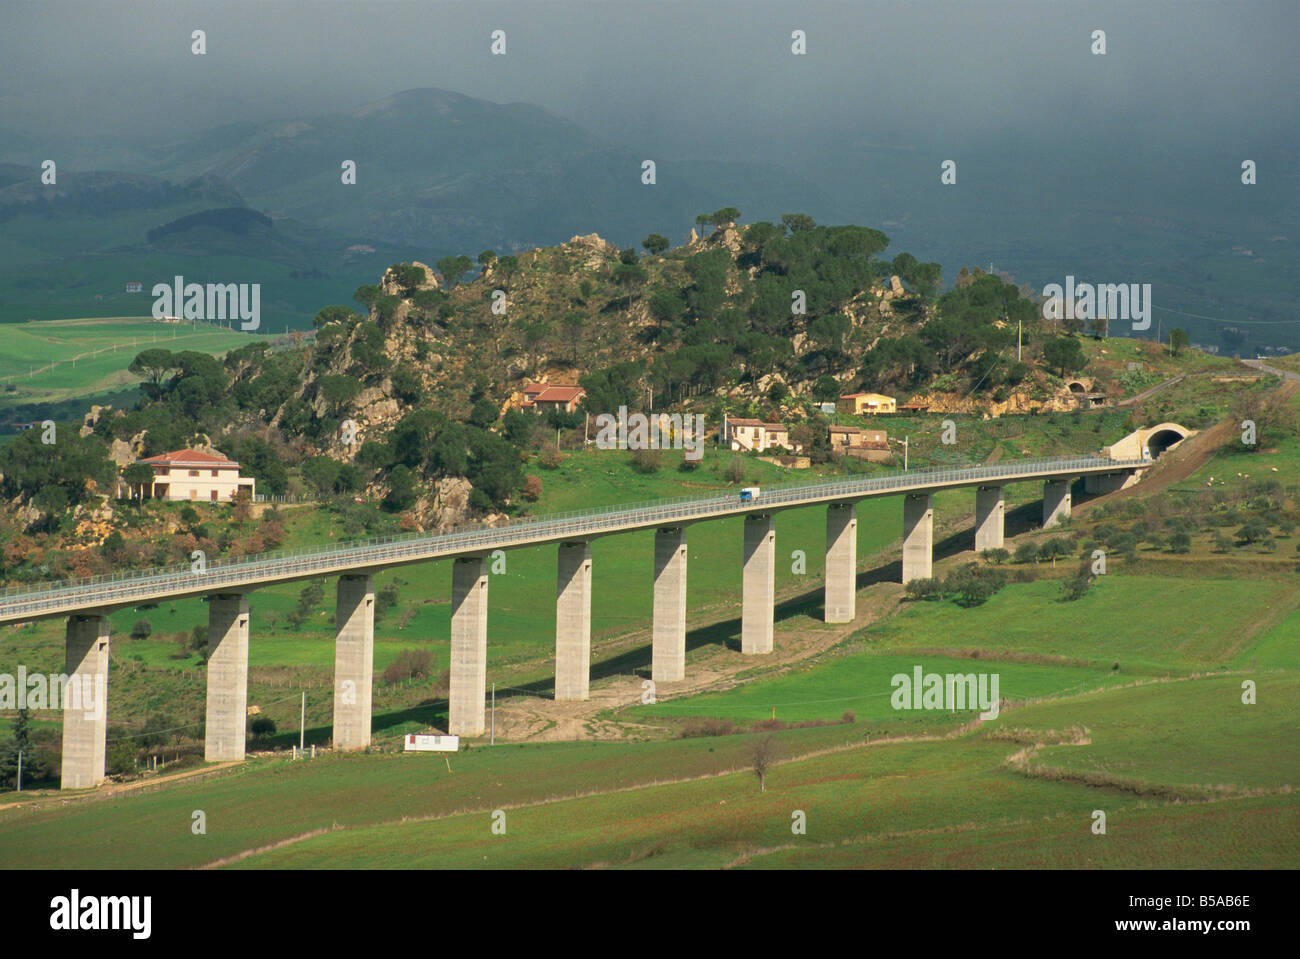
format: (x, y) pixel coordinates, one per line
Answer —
(494, 715)
(905, 454)
(20, 770)
(302, 722)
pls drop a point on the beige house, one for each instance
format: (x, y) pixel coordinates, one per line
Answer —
(755, 435)
(870, 445)
(859, 403)
(192, 475)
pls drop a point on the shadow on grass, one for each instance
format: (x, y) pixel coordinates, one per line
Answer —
(638, 660)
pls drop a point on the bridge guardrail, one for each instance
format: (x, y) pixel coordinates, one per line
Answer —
(114, 588)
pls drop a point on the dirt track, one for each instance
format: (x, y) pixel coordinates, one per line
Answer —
(711, 668)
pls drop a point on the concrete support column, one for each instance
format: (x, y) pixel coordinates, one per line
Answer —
(354, 661)
(668, 659)
(1056, 502)
(989, 518)
(918, 537)
(841, 562)
(573, 622)
(758, 601)
(227, 715)
(85, 702)
(469, 596)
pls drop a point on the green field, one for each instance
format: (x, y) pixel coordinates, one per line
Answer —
(953, 802)
(55, 359)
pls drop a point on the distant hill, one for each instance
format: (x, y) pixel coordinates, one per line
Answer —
(102, 193)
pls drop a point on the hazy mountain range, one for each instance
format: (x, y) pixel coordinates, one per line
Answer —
(441, 173)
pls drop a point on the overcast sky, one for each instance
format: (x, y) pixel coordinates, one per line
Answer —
(709, 79)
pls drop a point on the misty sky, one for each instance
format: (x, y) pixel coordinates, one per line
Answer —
(707, 79)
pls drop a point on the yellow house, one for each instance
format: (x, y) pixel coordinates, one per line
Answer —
(859, 403)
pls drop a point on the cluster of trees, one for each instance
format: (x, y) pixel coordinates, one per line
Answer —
(54, 477)
(804, 277)
(972, 330)
(968, 585)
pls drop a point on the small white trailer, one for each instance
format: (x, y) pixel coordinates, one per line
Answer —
(419, 743)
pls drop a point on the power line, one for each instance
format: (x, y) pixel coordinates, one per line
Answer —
(1217, 319)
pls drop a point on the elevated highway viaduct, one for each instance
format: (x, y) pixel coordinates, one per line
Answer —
(227, 583)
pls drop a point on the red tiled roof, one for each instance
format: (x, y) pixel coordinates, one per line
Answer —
(559, 394)
(190, 458)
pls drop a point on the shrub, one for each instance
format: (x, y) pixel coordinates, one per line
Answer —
(1077, 585)
(532, 487)
(1253, 531)
(142, 629)
(262, 726)
(646, 461)
(997, 556)
(707, 727)
(385, 600)
(1054, 547)
(1180, 542)
(849, 716)
(410, 664)
(925, 588)
(974, 585)
(550, 458)
(1026, 553)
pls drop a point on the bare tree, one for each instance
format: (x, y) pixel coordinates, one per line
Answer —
(762, 752)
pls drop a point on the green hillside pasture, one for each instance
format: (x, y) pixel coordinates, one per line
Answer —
(1184, 733)
(861, 682)
(956, 798)
(269, 800)
(114, 343)
(1255, 833)
(1141, 622)
(958, 793)
(965, 808)
(1277, 648)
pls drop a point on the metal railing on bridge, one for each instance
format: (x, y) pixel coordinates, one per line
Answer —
(117, 588)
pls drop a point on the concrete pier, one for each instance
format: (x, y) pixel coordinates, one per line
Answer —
(226, 729)
(573, 622)
(1056, 502)
(758, 601)
(85, 702)
(668, 656)
(918, 537)
(469, 596)
(841, 562)
(990, 509)
(354, 661)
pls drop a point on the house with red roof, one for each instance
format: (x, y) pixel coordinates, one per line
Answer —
(192, 475)
(545, 396)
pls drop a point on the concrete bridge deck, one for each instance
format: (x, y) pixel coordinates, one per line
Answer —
(104, 594)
